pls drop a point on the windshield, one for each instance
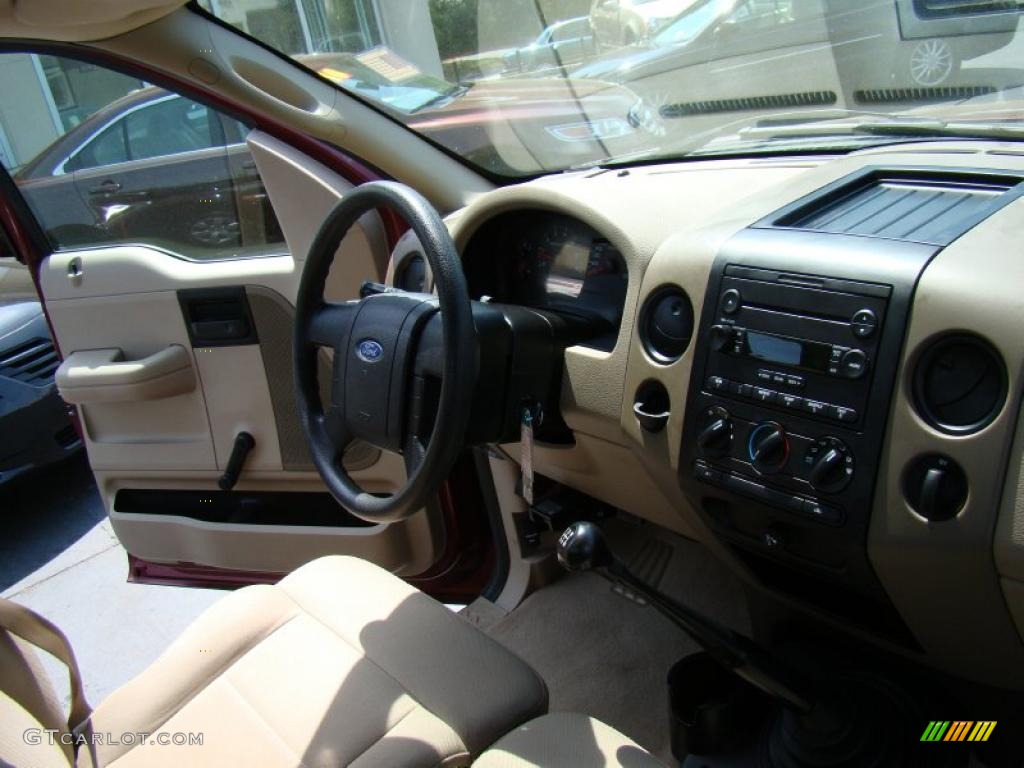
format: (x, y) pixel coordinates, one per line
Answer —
(694, 21)
(522, 87)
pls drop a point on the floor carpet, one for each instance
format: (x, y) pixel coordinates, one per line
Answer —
(608, 656)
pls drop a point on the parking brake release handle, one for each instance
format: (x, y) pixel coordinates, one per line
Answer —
(244, 443)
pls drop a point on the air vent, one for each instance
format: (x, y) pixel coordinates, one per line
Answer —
(960, 384)
(931, 207)
(33, 362)
(666, 324)
(921, 95)
(750, 103)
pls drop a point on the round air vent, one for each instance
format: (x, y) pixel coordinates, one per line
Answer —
(960, 384)
(412, 274)
(666, 324)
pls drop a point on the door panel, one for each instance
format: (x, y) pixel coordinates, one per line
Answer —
(171, 432)
(128, 298)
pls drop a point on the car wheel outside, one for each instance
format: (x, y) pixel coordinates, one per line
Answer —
(215, 230)
(932, 62)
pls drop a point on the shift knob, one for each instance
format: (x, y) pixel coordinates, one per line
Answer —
(582, 546)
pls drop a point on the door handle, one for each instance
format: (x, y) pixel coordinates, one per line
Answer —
(104, 376)
(105, 187)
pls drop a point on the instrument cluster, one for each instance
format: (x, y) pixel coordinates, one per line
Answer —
(548, 261)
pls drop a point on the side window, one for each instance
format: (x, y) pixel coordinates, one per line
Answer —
(169, 127)
(105, 159)
(567, 32)
(106, 149)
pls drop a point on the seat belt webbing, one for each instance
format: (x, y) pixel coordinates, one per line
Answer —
(42, 633)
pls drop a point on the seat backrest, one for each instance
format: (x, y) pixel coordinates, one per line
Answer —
(28, 708)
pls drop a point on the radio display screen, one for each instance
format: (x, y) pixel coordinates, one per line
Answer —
(783, 351)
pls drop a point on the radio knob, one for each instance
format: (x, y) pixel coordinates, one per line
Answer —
(721, 337)
(831, 465)
(853, 365)
(715, 438)
(768, 447)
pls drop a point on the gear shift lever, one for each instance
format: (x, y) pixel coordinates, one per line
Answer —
(582, 547)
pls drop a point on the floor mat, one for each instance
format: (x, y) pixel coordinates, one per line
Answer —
(605, 655)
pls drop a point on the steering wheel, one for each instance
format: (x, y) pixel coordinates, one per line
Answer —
(392, 363)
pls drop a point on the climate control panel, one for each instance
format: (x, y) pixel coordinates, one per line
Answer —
(774, 463)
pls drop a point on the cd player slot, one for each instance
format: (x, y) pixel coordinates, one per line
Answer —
(799, 300)
(797, 326)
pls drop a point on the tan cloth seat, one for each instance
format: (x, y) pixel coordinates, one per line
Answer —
(340, 663)
(566, 740)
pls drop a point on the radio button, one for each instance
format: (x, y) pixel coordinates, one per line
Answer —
(795, 382)
(779, 379)
(730, 301)
(842, 414)
(854, 364)
(864, 324)
(815, 407)
(764, 375)
(792, 402)
(718, 384)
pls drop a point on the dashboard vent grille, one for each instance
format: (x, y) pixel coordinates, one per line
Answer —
(921, 95)
(748, 103)
(918, 206)
(33, 362)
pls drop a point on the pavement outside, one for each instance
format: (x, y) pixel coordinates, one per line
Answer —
(60, 558)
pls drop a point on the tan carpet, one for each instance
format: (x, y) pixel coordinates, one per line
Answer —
(605, 655)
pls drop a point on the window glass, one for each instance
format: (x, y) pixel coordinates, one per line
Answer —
(106, 149)
(75, 136)
(168, 127)
(655, 79)
(570, 31)
(957, 7)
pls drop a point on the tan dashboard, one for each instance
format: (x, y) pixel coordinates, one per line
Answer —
(956, 584)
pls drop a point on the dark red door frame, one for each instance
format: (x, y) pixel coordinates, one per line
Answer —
(452, 577)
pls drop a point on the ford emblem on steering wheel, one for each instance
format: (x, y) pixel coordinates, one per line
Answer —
(369, 350)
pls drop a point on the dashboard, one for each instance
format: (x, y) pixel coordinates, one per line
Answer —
(841, 394)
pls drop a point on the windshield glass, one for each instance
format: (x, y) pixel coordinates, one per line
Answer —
(523, 87)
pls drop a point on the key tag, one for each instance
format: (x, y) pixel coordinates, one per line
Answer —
(526, 453)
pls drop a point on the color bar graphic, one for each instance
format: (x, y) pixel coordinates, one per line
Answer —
(935, 731)
(959, 730)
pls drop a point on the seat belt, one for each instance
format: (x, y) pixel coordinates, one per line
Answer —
(42, 633)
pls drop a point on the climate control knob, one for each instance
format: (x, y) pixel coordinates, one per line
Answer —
(830, 464)
(715, 438)
(768, 447)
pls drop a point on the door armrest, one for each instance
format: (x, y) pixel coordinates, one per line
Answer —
(104, 376)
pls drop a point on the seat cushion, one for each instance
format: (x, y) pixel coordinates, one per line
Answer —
(566, 740)
(340, 663)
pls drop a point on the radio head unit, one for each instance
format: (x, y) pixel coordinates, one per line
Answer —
(793, 347)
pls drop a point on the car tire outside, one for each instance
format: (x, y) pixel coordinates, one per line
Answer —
(931, 63)
(215, 230)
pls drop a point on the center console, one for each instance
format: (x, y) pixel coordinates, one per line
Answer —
(788, 373)
(796, 359)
